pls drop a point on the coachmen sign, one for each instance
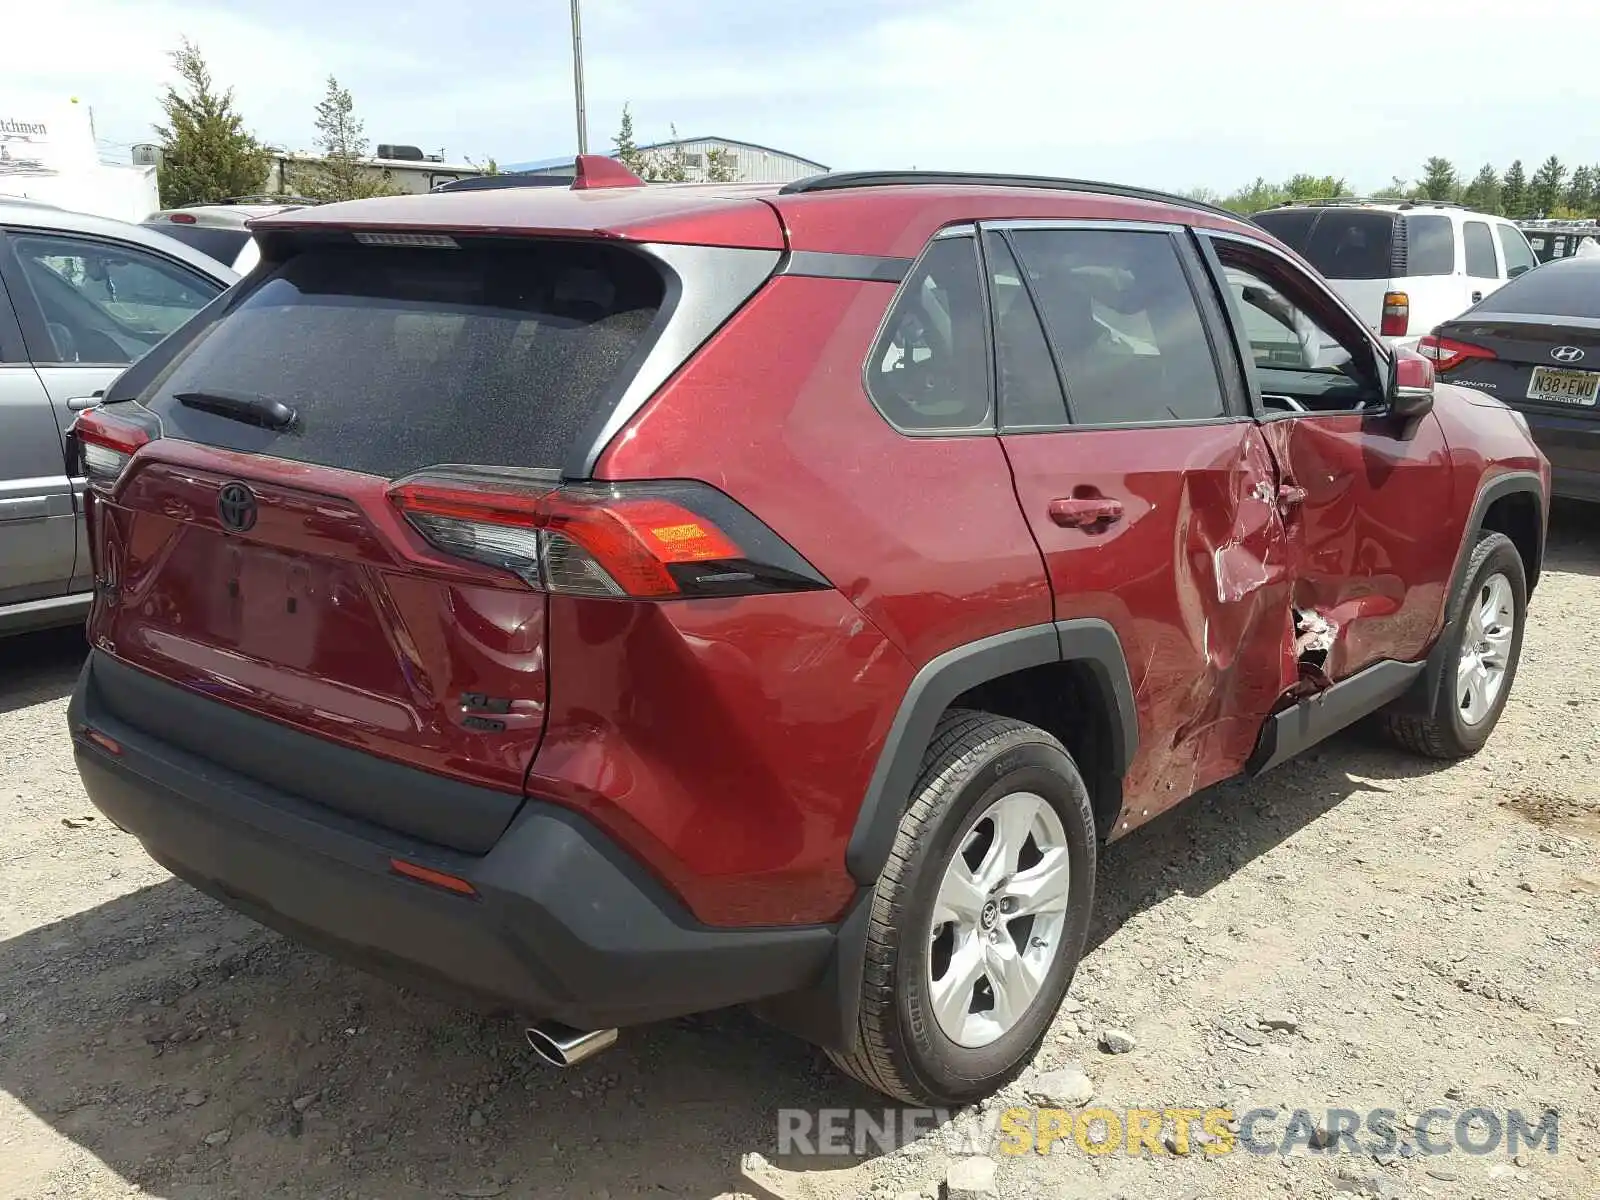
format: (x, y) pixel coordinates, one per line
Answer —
(34, 141)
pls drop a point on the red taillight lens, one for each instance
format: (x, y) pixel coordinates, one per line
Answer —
(104, 445)
(182, 218)
(1448, 353)
(626, 540)
(1396, 314)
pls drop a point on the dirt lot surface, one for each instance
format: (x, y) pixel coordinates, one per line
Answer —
(1431, 934)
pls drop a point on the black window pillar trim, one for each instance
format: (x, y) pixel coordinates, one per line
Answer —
(1089, 641)
(12, 348)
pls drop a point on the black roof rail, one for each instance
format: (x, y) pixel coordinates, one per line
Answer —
(842, 180)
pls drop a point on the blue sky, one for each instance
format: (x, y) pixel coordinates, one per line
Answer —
(1165, 93)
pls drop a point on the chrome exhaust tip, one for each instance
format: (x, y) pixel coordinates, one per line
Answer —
(563, 1046)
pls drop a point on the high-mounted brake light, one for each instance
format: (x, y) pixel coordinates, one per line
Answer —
(1396, 314)
(430, 241)
(1448, 353)
(182, 219)
(104, 445)
(617, 541)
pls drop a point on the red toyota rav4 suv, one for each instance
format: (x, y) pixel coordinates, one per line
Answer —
(618, 602)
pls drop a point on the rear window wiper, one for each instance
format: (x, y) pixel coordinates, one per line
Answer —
(236, 406)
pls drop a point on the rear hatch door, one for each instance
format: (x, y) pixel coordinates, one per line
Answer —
(262, 562)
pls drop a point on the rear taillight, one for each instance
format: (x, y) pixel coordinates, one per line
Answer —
(621, 540)
(104, 444)
(1396, 314)
(1448, 353)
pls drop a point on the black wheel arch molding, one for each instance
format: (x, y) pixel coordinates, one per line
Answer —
(1087, 641)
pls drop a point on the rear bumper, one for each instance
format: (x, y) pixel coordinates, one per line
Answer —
(564, 925)
(1572, 444)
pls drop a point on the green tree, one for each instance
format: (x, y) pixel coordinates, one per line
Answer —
(206, 154)
(1315, 187)
(1259, 195)
(667, 166)
(1580, 192)
(1483, 193)
(720, 166)
(625, 150)
(1396, 189)
(1439, 180)
(1544, 190)
(1514, 191)
(341, 137)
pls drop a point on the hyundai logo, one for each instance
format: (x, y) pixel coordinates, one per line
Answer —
(1567, 353)
(236, 507)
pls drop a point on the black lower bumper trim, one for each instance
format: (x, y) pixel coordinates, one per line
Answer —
(564, 926)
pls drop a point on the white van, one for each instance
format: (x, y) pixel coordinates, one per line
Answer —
(1405, 266)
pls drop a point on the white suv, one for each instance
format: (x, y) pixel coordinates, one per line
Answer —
(1405, 266)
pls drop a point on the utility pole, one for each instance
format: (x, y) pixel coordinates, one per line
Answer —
(577, 78)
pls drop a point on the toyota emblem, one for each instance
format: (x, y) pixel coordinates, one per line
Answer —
(1567, 354)
(236, 507)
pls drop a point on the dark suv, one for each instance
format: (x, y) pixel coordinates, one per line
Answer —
(618, 602)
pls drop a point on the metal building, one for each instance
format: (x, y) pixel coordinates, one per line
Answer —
(750, 163)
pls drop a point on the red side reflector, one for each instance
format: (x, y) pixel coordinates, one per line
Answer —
(427, 875)
(101, 740)
(182, 218)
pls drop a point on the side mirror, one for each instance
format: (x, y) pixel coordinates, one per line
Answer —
(1411, 386)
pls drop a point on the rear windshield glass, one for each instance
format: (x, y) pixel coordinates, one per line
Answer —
(1291, 226)
(221, 244)
(1565, 289)
(1430, 246)
(1342, 243)
(394, 359)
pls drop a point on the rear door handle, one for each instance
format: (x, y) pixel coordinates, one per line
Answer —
(1075, 512)
(79, 403)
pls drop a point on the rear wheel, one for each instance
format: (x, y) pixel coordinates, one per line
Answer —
(979, 916)
(1479, 651)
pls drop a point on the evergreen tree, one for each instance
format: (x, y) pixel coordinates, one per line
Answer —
(1544, 190)
(1439, 180)
(206, 154)
(1514, 191)
(1483, 193)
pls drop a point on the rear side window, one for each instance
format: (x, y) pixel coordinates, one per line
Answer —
(1563, 289)
(1352, 244)
(1479, 244)
(1430, 246)
(221, 244)
(497, 353)
(1518, 257)
(929, 370)
(1124, 323)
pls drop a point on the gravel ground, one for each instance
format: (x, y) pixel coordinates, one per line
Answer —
(1359, 930)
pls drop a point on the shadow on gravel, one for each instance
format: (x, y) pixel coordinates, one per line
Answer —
(1200, 844)
(38, 667)
(200, 1056)
(1573, 541)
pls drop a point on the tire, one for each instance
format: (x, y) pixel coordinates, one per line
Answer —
(977, 768)
(1444, 730)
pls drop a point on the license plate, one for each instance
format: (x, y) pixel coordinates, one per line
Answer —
(1557, 385)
